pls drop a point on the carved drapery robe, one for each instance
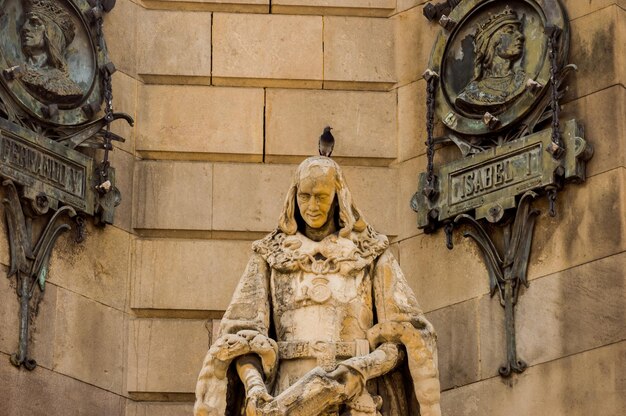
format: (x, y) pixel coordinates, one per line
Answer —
(303, 304)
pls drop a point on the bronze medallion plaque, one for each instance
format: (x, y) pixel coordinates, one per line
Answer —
(495, 79)
(53, 54)
(55, 77)
(495, 60)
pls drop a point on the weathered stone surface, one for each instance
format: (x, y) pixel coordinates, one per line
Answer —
(601, 114)
(594, 48)
(164, 49)
(161, 348)
(187, 274)
(559, 315)
(89, 341)
(363, 122)
(239, 6)
(576, 9)
(124, 164)
(588, 383)
(402, 5)
(354, 58)
(376, 194)
(415, 38)
(42, 327)
(408, 172)
(125, 101)
(120, 29)
(45, 392)
(589, 225)
(254, 192)
(160, 187)
(198, 119)
(97, 268)
(458, 343)
(440, 277)
(334, 7)
(262, 50)
(411, 120)
(158, 409)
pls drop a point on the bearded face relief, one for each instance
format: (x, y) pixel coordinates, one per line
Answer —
(498, 79)
(46, 33)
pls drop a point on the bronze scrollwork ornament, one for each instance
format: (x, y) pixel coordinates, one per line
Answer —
(55, 76)
(495, 78)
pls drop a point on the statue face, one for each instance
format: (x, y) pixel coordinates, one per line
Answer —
(316, 194)
(33, 32)
(511, 42)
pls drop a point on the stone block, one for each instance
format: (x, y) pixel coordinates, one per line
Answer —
(458, 343)
(575, 310)
(358, 53)
(415, 37)
(249, 197)
(187, 274)
(45, 392)
(375, 192)
(595, 49)
(125, 101)
(602, 115)
(588, 383)
(201, 120)
(164, 49)
(238, 6)
(41, 327)
(256, 193)
(363, 122)
(89, 341)
(589, 225)
(97, 268)
(173, 195)
(440, 277)
(120, 31)
(335, 7)
(411, 120)
(576, 9)
(408, 172)
(158, 409)
(263, 50)
(402, 5)
(165, 355)
(124, 164)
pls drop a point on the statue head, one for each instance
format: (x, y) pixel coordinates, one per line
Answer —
(498, 37)
(48, 29)
(319, 194)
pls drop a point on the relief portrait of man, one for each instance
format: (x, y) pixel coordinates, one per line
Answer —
(497, 81)
(323, 321)
(46, 33)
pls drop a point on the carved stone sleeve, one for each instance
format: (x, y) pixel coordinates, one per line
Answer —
(243, 330)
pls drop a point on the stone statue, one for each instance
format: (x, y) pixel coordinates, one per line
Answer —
(498, 45)
(46, 33)
(323, 321)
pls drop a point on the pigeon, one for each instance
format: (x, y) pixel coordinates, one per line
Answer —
(327, 142)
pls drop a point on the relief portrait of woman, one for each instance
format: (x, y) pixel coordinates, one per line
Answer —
(497, 79)
(323, 321)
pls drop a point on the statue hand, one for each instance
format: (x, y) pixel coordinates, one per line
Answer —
(350, 379)
(256, 396)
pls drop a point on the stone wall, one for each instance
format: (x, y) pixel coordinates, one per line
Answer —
(228, 96)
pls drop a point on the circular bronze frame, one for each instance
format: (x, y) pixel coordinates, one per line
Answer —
(549, 12)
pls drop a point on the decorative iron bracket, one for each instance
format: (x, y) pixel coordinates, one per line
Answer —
(29, 262)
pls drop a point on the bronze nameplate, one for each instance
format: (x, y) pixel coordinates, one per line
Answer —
(45, 167)
(496, 176)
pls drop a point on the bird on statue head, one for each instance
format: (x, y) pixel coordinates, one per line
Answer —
(327, 142)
